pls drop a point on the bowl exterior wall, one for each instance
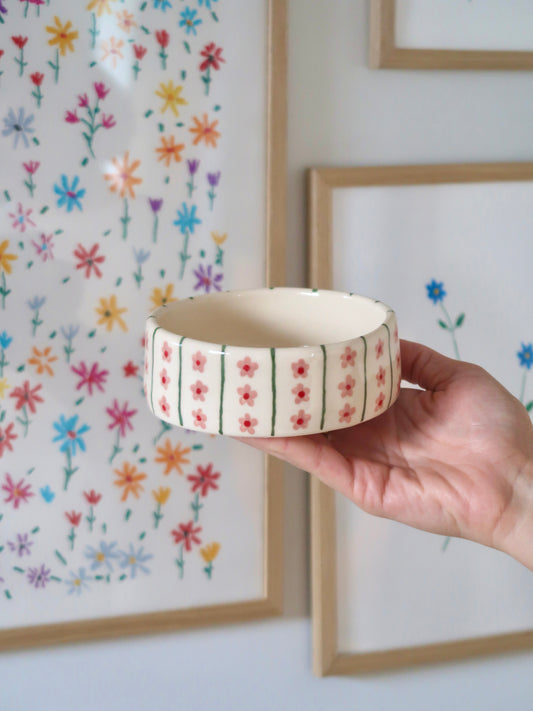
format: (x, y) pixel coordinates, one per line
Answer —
(261, 392)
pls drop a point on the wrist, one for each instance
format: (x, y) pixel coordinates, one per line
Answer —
(518, 541)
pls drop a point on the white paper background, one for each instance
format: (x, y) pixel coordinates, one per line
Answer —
(396, 586)
(464, 24)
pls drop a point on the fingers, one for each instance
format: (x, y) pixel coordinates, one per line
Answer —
(313, 454)
(425, 367)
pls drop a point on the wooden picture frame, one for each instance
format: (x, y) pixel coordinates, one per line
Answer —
(385, 54)
(270, 603)
(327, 659)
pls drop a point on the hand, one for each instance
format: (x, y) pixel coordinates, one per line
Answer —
(455, 458)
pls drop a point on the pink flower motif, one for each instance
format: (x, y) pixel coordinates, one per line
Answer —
(90, 377)
(16, 492)
(21, 218)
(379, 348)
(380, 377)
(347, 386)
(346, 414)
(348, 357)
(380, 400)
(108, 121)
(198, 390)
(248, 424)
(396, 334)
(247, 395)
(398, 360)
(31, 166)
(101, 90)
(165, 380)
(300, 368)
(300, 421)
(121, 417)
(165, 406)
(301, 393)
(166, 352)
(71, 117)
(199, 418)
(83, 101)
(198, 362)
(45, 249)
(247, 367)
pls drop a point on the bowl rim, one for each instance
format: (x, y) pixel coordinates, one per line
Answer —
(221, 348)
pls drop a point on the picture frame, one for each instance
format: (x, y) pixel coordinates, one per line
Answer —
(269, 600)
(389, 203)
(386, 53)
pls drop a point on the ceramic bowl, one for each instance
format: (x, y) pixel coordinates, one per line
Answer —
(271, 362)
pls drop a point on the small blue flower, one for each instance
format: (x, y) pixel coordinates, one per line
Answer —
(162, 4)
(436, 291)
(19, 126)
(36, 303)
(78, 582)
(69, 332)
(207, 3)
(5, 340)
(68, 194)
(102, 556)
(187, 220)
(67, 431)
(189, 20)
(140, 256)
(135, 559)
(525, 356)
(47, 494)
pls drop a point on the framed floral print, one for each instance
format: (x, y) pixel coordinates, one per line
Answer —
(143, 161)
(430, 241)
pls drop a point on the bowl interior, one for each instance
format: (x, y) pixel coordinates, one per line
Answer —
(273, 318)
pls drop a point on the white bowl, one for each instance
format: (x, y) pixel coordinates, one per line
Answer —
(271, 362)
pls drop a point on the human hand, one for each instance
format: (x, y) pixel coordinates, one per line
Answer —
(455, 458)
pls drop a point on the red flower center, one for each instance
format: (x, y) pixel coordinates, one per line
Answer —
(71, 434)
(301, 394)
(300, 370)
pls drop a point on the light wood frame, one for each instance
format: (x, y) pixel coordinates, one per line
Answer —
(271, 603)
(326, 658)
(385, 54)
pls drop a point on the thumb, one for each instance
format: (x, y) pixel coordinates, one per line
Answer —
(425, 367)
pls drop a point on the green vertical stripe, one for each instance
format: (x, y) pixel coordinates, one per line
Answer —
(156, 329)
(323, 387)
(364, 379)
(179, 382)
(390, 363)
(222, 380)
(273, 357)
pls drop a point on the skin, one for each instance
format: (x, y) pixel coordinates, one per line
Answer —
(455, 458)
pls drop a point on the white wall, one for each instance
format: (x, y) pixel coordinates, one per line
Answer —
(340, 113)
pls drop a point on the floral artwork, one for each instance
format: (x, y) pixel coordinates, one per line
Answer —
(115, 200)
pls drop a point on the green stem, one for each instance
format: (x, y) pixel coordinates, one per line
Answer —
(165, 427)
(24, 422)
(207, 80)
(219, 256)
(91, 518)
(4, 291)
(157, 515)
(154, 231)
(116, 448)
(56, 67)
(72, 538)
(136, 69)
(445, 544)
(93, 31)
(180, 562)
(125, 219)
(209, 570)
(452, 331)
(184, 255)
(69, 471)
